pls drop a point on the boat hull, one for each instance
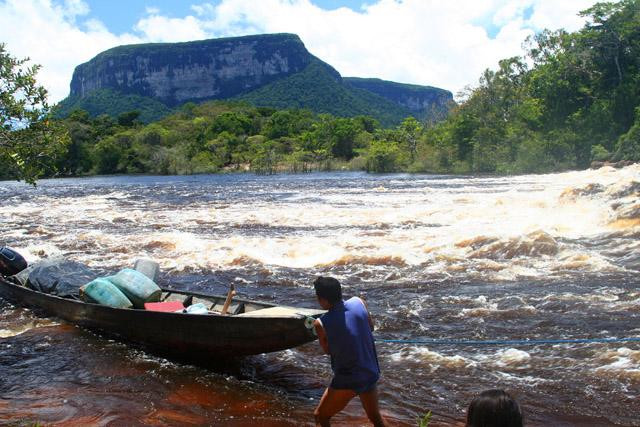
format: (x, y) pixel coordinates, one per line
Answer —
(185, 336)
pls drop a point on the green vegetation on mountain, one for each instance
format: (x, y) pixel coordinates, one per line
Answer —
(426, 103)
(320, 88)
(112, 103)
(173, 52)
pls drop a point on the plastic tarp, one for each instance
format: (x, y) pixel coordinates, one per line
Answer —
(57, 276)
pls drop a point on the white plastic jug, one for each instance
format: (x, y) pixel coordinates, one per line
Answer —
(198, 308)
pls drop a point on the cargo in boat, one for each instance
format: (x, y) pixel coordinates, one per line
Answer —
(248, 327)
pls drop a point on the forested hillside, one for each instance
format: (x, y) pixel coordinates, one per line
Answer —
(573, 99)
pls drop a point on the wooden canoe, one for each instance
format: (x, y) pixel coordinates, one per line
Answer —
(254, 327)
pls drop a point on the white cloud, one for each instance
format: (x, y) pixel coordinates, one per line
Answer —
(427, 42)
(561, 14)
(73, 8)
(49, 34)
(162, 29)
(414, 41)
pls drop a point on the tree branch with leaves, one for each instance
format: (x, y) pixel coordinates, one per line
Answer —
(29, 140)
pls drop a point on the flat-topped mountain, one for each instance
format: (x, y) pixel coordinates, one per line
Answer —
(267, 70)
(175, 73)
(420, 100)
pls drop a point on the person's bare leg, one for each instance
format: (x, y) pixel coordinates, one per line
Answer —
(332, 401)
(369, 401)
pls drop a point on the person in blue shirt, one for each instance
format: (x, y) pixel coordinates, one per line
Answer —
(345, 333)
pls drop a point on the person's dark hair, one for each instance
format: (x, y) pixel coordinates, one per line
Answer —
(494, 408)
(328, 288)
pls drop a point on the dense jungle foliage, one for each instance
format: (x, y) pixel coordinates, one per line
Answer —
(213, 137)
(574, 98)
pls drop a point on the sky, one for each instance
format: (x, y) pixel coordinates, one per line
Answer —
(439, 43)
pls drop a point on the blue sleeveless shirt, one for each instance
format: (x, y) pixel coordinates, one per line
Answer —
(353, 353)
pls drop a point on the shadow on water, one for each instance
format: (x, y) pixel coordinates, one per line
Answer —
(64, 375)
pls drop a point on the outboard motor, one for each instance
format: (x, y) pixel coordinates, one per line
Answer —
(11, 262)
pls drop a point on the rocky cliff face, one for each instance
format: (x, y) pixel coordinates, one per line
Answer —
(417, 99)
(273, 70)
(175, 73)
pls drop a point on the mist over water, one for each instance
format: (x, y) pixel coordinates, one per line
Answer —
(540, 256)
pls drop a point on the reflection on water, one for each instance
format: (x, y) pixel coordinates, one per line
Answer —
(64, 375)
(547, 256)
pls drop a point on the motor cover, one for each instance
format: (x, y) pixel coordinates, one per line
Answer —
(11, 262)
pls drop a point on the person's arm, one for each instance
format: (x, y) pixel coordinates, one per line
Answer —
(322, 335)
(368, 314)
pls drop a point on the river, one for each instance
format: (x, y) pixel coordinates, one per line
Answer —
(552, 256)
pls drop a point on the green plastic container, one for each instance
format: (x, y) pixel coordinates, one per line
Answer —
(102, 291)
(136, 286)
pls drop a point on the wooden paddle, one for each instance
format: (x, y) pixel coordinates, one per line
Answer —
(227, 302)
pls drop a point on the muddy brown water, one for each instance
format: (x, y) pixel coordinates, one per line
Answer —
(538, 257)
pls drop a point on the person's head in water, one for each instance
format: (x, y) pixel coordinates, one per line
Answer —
(494, 408)
(328, 291)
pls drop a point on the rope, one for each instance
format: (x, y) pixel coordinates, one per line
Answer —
(510, 342)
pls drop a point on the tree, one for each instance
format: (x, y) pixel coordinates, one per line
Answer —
(29, 140)
(628, 146)
(410, 130)
(77, 159)
(344, 133)
(383, 157)
(235, 123)
(129, 118)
